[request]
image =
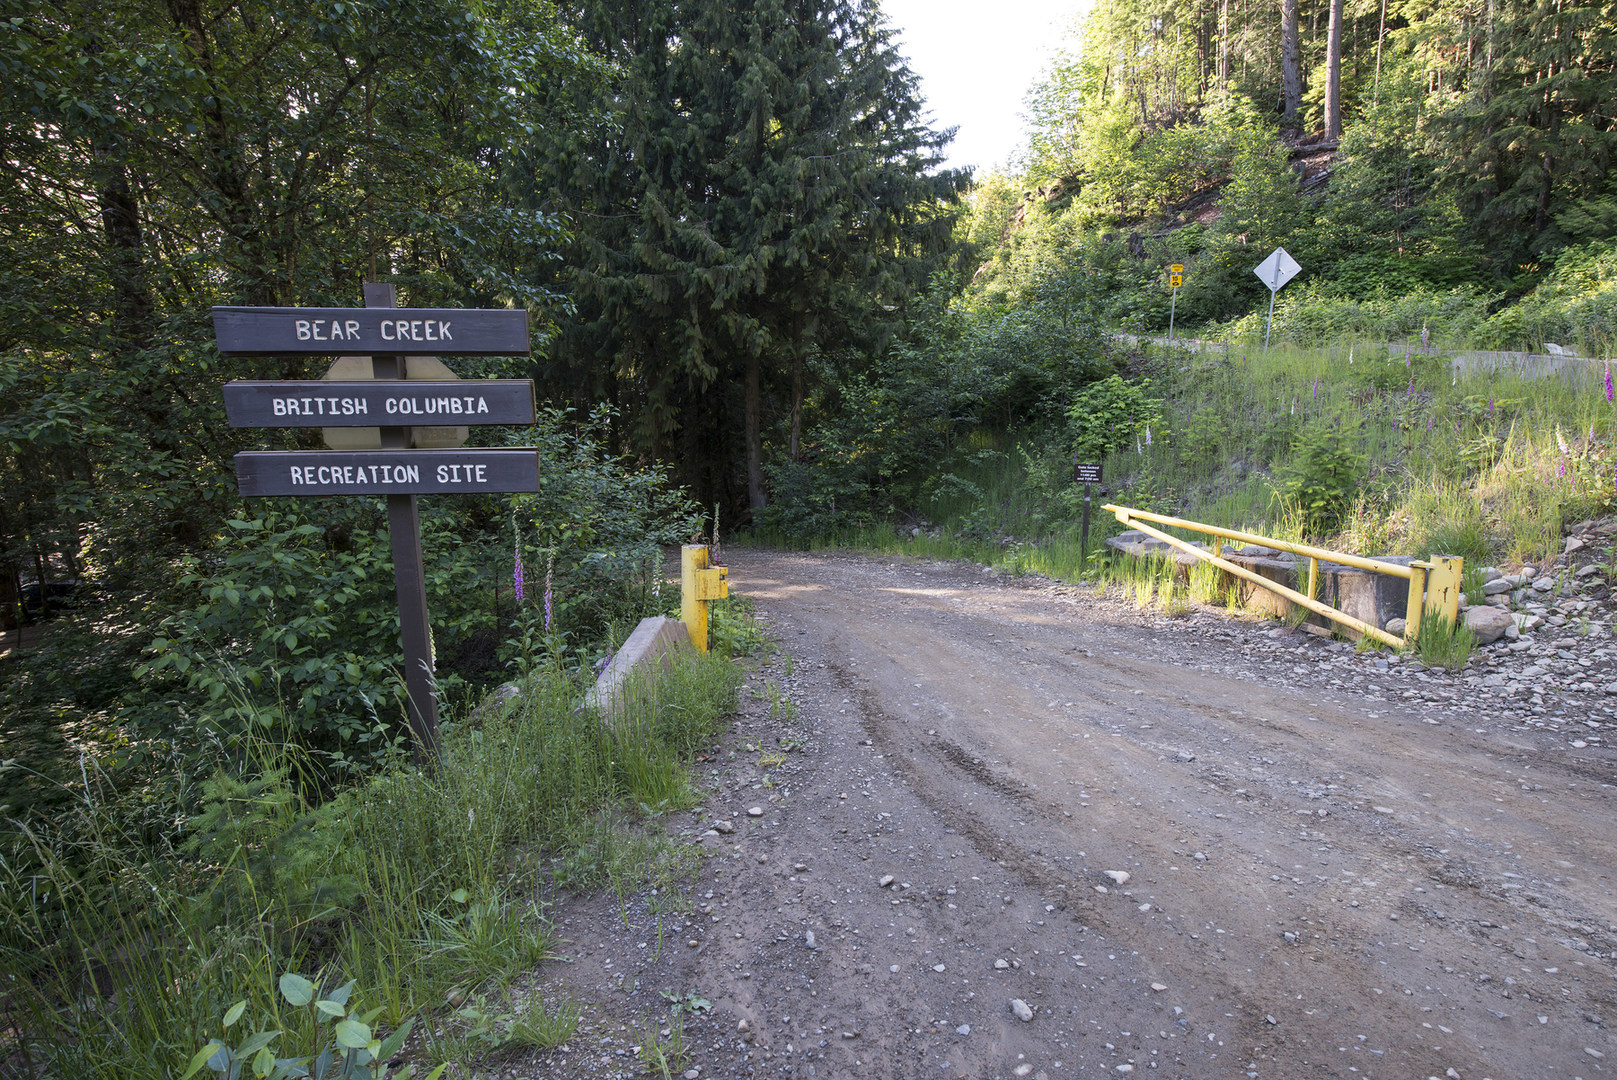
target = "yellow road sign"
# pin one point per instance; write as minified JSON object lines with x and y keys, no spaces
{"x":1176,"y":280}
{"x":1177,"y":268}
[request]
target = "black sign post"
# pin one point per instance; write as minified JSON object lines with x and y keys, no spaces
{"x":1085,"y":473}
{"x":388,"y":334}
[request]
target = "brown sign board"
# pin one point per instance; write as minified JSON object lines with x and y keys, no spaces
{"x":1086,"y":472}
{"x":434,"y":403}
{"x":272,"y":331}
{"x":386,"y":472}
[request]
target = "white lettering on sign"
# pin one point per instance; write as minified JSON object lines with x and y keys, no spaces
{"x":463,"y":474}
{"x":327,"y":329}
{"x":333,"y":475}
{"x":443,"y":406}
{"x":317,"y":406}
{"x":416,"y":330}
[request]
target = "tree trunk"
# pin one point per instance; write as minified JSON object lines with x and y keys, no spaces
{"x":1224,"y":44}
{"x":796,"y":447}
{"x":755,"y":449}
{"x":1333,"y":73}
{"x":1291,"y":64}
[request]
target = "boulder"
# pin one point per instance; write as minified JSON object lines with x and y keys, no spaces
{"x":1488,"y":623}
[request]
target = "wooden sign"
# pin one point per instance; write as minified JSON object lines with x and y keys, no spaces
{"x":1086,"y":472}
{"x":375,"y":404}
{"x":270,"y":331}
{"x":386,"y":472}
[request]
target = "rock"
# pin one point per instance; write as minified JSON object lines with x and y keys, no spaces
{"x":963,"y":1029}
{"x":1490,"y":574}
{"x":1488,"y":623}
{"x":1021,"y":1009}
{"x":725,"y":826}
{"x":808,"y":939}
{"x":886,"y":880}
{"x":1496,"y":586}
{"x":1588,"y":571}
{"x":755,"y":811}
{"x":940,"y":968}
{"x":1124,"y":1068}
{"x":1120,"y":877}
{"x":1004,"y":965}
{"x":1573,"y":543}
{"x":1382,"y":809}
{"x":1543,"y":584}
{"x":1159,"y":987}
{"x":1396,"y":627}
{"x":1525,"y":622}
{"x":893,"y":968}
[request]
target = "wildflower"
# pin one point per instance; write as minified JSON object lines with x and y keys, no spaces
{"x":1560,"y":441}
{"x":550,"y":565}
{"x":1137,"y":448}
{"x":1411,"y":391}
{"x":1428,"y":423}
{"x":1316,"y":387}
{"x":1490,"y":401}
{"x":516,"y":573}
{"x":1148,"y":434}
{"x":1609,"y":388}
{"x":1350,"y":354}
{"x":1560,"y":470}
{"x":715,"y":556}
{"x":1406,"y":354}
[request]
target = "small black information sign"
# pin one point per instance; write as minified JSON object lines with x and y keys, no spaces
{"x":386,"y":472}
{"x":468,"y":402}
{"x":1086,"y":472}
{"x":271,"y":331}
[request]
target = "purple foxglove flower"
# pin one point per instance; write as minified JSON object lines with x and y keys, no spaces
{"x":1406,"y":354}
{"x":1609,"y":387}
{"x":1316,"y":387}
{"x":516,"y":572}
{"x":1490,"y":401}
{"x":1560,"y":470}
{"x":1411,"y":391}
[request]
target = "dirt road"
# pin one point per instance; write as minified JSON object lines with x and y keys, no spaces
{"x":1185,"y":850}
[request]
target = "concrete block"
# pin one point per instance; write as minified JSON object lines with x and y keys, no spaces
{"x":647,"y":653}
{"x":1367,"y":596}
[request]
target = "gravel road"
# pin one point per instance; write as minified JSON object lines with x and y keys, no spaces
{"x":1196,"y":847}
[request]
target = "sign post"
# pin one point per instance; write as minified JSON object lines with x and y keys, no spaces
{"x":393,"y":404}
{"x":1274,"y":272}
{"x":1176,"y":278}
{"x":1087,"y":474}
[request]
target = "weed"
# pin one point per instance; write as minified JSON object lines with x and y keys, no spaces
{"x":1445,"y":643}
{"x":662,"y":1051}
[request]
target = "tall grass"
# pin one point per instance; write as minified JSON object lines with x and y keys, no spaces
{"x":118,"y":953}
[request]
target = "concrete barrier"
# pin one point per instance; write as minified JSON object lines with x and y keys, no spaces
{"x":648,"y":652}
{"x":1365,"y":595}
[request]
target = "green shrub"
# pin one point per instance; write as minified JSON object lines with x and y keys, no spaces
{"x":1322,"y":478}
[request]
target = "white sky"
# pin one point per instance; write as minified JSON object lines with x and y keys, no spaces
{"x":976,"y":62}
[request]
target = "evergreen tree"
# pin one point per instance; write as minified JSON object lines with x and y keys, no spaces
{"x":767,"y":180}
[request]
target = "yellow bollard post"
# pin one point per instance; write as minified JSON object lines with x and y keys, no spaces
{"x":698,"y":584}
{"x":1443,"y":586}
{"x":1417,"y":601}
{"x":1313,"y":578}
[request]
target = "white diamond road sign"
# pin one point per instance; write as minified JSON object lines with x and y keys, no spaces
{"x":1277,"y":269}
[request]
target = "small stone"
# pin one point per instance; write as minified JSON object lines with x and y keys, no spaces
{"x":755,"y":811}
{"x":1592,"y":1052}
{"x":1573,"y":543}
{"x":1159,"y":987}
{"x":1579,"y":744}
{"x":893,"y":969}
{"x":800,"y":867}
{"x":1125,"y":1068}
{"x":724,"y":826}
{"x":1184,"y":755}
{"x":1543,"y":584}
{"x":886,"y":880}
{"x":1120,"y":877}
{"x":692,"y":1074}
{"x":1497,"y":586}
{"x":1200,"y":856}
{"x":1021,"y":1009}
{"x":763,"y":858}
{"x":808,"y":939}
{"x":1001,"y":965}
{"x":692,"y":942}
{"x":743,"y":1027}
{"x":1382,"y":809}
{"x":1022,"y":1069}
{"x":939,"y":968}
{"x":850,"y":1034}
{"x":963,"y":1029}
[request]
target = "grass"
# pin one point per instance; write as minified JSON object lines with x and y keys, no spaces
{"x":120,"y":950}
{"x":1491,"y":467}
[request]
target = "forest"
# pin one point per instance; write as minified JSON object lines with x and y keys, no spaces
{"x":760,"y":303}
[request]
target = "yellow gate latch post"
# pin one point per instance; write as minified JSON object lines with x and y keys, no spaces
{"x":699,"y":583}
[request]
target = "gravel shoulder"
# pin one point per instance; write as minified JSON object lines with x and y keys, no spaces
{"x":1196,"y":846}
